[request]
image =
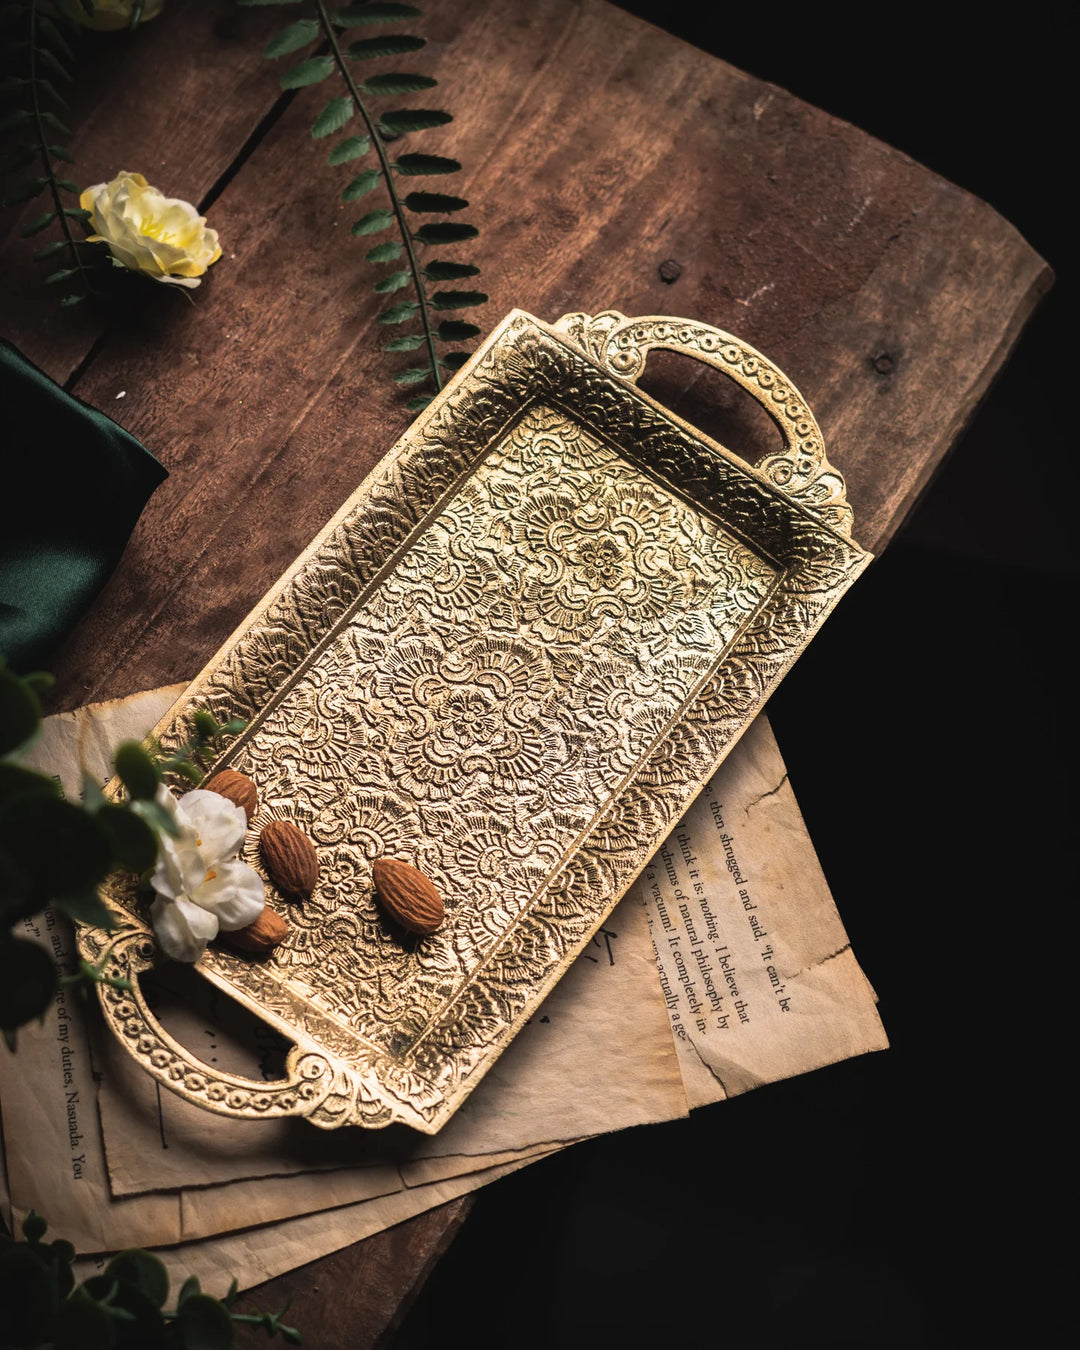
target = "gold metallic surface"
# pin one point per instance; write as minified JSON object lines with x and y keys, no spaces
{"x":511,"y":660}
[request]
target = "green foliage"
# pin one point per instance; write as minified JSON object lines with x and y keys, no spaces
{"x":37,"y":39}
{"x":335,"y":51}
{"x":121,"y":1309}
{"x":55,"y":851}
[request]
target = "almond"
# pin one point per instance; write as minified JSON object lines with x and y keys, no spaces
{"x":261,"y":936}
{"x":238,"y":788}
{"x":407,"y":896}
{"x":290,"y":857}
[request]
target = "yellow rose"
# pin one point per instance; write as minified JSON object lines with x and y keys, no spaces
{"x":111,"y":15}
{"x":160,"y":236}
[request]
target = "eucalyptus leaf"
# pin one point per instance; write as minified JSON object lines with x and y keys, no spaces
{"x":353,"y":16}
{"x":156,"y":817}
{"x":138,"y":772}
{"x":26,"y":191}
{"x":404,"y":120}
{"x":361,"y":185}
{"x":397,"y":83}
{"x":144,"y":1270}
{"x":384,"y":252}
{"x":36,"y":225}
{"x":84,"y":1324}
{"x":134,"y":843}
{"x":20,"y":711}
{"x":416,"y":166}
{"x":419,"y":404}
{"x":450,"y":271}
{"x":393,"y":44}
{"x":60,"y":152}
{"x":457,"y":299}
{"x":77,"y":213}
{"x":396,"y":281}
{"x":34,"y":1227}
{"x":291,"y":39}
{"x":202,"y":1323}
{"x":312,"y":71}
{"x":352,"y":147}
{"x":16,"y":782}
{"x":446,"y":232}
{"x":399,"y":313}
{"x":333,"y":117}
{"x":434,"y":202}
{"x":373,"y":222}
{"x":86,"y":908}
{"x":56,"y":843}
{"x":27,"y":981}
{"x":189,"y":1288}
{"x":68,"y":184}
{"x":454,"y":360}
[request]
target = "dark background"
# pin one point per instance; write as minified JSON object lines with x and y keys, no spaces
{"x":904,"y":1199}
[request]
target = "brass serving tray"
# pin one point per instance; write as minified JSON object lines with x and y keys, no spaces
{"x":511,"y":659}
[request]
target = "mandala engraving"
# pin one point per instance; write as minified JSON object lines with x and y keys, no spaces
{"x":509,"y":662}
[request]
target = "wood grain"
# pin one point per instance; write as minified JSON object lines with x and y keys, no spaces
{"x":596,"y":149}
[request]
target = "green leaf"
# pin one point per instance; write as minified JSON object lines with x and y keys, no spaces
{"x":55,"y":38}
{"x":399,"y":313}
{"x":206,"y":727}
{"x":137,"y":1322}
{"x":414,"y":375}
{"x":29,"y":1293}
{"x":188,"y":1289}
{"x":60,"y":152}
{"x":446,"y":232}
{"x":84,"y":1324}
{"x":19,"y":117}
{"x":156,"y":817}
{"x":397,"y":83}
{"x":404,"y":120}
{"x":70,"y":300}
{"x":47,"y":250}
{"x":373,"y":222}
{"x":291,"y":39}
{"x":455,"y":360}
{"x":361,"y":185}
{"x":253,"y":3}
{"x":457,"y":299}
{"x":134,"y":843}
{"x":142,"y":1269}
{"x":202,"y":1323}
{"x":384,"y":252}
{"x":20,"y":711}
{"x":17,"y":781}
{"x":47,"y":87}
{"x":77,"y":213}
{"x":87,"y":908}
{"x":51,"y":120}
{"x":18,"y":159}
{"x":352,"y":147}
{"x":404,"y":344}
{"x":450,"y":271}
{"x":417,"y":166}
{"x":68,"y":184}
{"x":65,"y":1251}
{"x":393,"y":44}
{"x":394,"y":282}
{"x":49,"y":62}
{"x":419,"y":404}
{"x":138,"y":772}
{"x":333,"y":117}
{"x":353,"y":16}
{"x":26,"y":191}
{"x":34,"y":1227}
{"x":93,"y":799}
{"x":311,"y":71}
{"x":27,"y":981}
{"x":434,"y":201}
{"x":36,"y":225}
{"x":455,"y":330}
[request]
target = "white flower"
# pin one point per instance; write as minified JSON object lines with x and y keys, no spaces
{"x":201,"y":884}
{"x":163,"y":237}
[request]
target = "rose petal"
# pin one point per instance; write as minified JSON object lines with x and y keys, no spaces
{"x":235,"y":894}
{"x":219,"y":823}
{"x":182,"y":929}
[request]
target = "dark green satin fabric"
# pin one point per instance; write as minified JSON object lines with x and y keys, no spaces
{"x":73,"y":484}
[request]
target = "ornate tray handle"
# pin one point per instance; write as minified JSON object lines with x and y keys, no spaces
{"x":801,"y":470}
{"x":307,"y":1090}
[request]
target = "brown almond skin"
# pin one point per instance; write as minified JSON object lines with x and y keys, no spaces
{"x":290,"y":857}
{"x":238,"y":788}
{"x":407,"y":896}
{"x":261,"y":936}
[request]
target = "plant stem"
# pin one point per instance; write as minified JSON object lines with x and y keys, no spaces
{"x":43,"y":146}
{"x":388,"y":177}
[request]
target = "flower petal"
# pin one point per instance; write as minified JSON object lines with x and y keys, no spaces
{"x":180,"y":865}
{"x":219,"y":824}
{"x":235,"y":894}
{"x":182,"y":929}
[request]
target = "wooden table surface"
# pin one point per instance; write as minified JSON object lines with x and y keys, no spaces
{"x":595,"y":148}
